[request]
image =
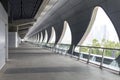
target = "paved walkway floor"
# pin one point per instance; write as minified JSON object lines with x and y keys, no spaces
{"x":46,"y":65}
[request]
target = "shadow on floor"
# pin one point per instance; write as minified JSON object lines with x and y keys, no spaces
{"x":43,"y":70}
{"x":32,"y":55}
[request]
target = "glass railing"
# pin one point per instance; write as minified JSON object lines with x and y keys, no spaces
{"x":103,"y":57}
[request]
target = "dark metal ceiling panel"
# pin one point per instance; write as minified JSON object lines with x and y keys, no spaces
{"x":23,"y":9}
{"x":5,"y":4}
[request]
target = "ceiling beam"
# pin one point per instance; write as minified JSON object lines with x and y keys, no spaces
{"x":22,"y":35}
{"x":12,"y":29}
{"x":23,"y":31}
{"x":22,"y":22}
{"x":45,"y":2}
{"x":25,"y":26}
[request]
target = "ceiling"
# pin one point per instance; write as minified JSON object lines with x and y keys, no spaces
{"x":78,"y":15}
{"x":4,"y":3}
{"x":23,"y":9}
{"x":77,"y":12}
{"x":21,"y":13}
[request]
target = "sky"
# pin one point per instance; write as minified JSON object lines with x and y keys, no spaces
{"x":67,"y":36}
{"x":102,"y":28}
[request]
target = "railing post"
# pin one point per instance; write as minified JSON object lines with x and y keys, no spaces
{"x":101,"y":64}
{"x":119,"y":70}
{"x":89,"y":56}
{"x":61,"y":51}
{"x":55,"y":50}
{"x":72,"y":50}
{"x":52,"y":49}
{"x":79,"y":53}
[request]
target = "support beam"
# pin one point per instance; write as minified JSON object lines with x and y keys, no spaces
{"x":45,"y":2}
{"x":23,"y":31}
{"x":25,"y":26}
{"x":22,"y":22}
{"x":22,"y":36}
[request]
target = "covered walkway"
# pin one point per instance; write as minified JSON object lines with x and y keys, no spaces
{"x":44,"y":40}
{"x":42,"y":64}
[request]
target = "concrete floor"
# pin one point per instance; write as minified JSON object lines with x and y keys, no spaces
{"x":50,"y":66}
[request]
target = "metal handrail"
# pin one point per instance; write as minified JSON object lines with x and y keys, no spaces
{"x":93,"y":47}
{"x":54,"y":48}
{"x":90,"y":47}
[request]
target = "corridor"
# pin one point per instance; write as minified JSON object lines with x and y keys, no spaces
{"x":59,"y":39}
{"x":42,"y":64}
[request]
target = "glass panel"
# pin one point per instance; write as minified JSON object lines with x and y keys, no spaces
{"x":66,"y":38}
{"x":111,"y":58}
{"x":46,"y":37}
{"x":96,"y":56}
{"x":84,"y":53}
{"x":52,"y":38}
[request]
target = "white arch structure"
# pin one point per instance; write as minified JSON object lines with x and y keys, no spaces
{"x":46,"y":37}
{"x":99,"y":27}
{"x":41,"y":37}
{"x":66,"y":37}
{"x":53,"y":36}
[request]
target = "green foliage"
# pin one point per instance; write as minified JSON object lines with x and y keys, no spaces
{"x":84,"y":49}
{"x":111,"y":44}
{"x":95,"y":43}
{"x":105,"y":44}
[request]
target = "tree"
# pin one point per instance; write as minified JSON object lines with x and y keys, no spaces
{"x":111,"y":44}
{"x":95,"y":43}
{"x":84,"y":49}
{"x":106,"y":44}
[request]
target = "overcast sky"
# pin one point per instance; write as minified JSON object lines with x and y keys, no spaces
{"x":102,"y":28}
